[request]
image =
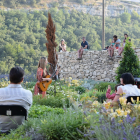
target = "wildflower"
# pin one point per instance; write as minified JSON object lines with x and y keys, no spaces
{"x":137,"y":99}
{"x":70,"y":78}
{"x":107,"y":105}
{"x":120,"y":121}
{"x":122,"y":100}
{"x":132,"y":100}
{"x":119,"y":112}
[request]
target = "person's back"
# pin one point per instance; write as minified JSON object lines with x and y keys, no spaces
{"x":14,"y":94}
{"x":130,"y":90}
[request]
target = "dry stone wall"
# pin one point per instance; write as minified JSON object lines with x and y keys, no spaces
{"x":94,"y":65}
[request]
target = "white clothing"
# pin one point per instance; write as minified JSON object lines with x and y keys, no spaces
{"x":14,"y":94}
{"x":63,"y":46}
{"x":130,"y":90}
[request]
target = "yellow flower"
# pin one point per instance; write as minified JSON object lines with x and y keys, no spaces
{"x":95,"y":103}
{"x":122,"y":100}
{"x":113,"y":115}
{"x":112,"y":110}
{"x":119,"y":112}
{"x":120,"y":121}
{"x":125,"y":113}
{"x":107,"y":105}
{"x":70,"y":78}
{"x":137,"y":99}
{"x":132,"y":100}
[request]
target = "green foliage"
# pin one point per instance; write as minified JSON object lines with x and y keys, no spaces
{"x":52,"y":101}
{"x":129,"y":63}
{"x":80,"y":89}
{"x":63,"y":126}
{"x":22,"y":34}
{"x":37,"y":111}
{"x":52,"y":127}
{"x":125,"y":18}
{"x":104,"y":85}
{"x":101,"y":96}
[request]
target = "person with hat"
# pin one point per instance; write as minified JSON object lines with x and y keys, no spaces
{"x":62,"y":46}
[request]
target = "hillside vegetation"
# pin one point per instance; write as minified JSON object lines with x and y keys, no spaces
{"x":37,"y":3}
{"x":22,"y":34}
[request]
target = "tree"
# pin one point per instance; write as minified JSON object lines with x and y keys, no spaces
{"x":51,"y":44}
{"x":125,"y":18}
{"x":129,"y":63}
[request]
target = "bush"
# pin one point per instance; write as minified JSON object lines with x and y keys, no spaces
{"x":40,"y":110}
{"x":104,"y":85}
{"x":52,"y":101}
{"x":63,"y":126}
{"x":51,"y":127}
{"x":101,"y":96}
{"x":80,"y":90}
{"x":129,"y":63}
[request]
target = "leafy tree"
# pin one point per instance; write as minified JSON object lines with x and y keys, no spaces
{"x":129,"y":63}
{"x":125,"y":18}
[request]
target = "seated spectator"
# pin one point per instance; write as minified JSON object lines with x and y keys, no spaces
{"x":14,"y":94}
{"x":111,"y":97}
{"x":62,"y":46}
{"x":115,"y":44}
{"x":106,"y":48}
{"x":120,"y":50}
{"x":111,"y":49}
{"x":84,"y":46}
{"x":128,"y":88}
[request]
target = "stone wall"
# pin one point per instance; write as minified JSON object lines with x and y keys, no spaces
{"x":94,"y":65}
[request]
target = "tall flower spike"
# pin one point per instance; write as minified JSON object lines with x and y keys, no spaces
{"x":51,"y":44}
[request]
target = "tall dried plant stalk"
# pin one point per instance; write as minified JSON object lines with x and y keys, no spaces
{"x":51,"y":44}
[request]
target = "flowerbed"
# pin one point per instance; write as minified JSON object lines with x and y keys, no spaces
{"x":77,"y":113}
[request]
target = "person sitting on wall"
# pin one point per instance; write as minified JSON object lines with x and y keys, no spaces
{"x":14,"y":94}
{"x":111,"y":49}
{"x":120,"y":50}
{"x":84,"y":46}
{"x":115,"y":44}
{"x":62,"y":46}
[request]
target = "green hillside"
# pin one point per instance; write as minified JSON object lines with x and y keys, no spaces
{"x":22,"y":34}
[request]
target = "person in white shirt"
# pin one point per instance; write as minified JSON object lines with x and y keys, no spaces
{"x":62,"y":46}
{"x":128,"y":87}
{"x":14,"y":94}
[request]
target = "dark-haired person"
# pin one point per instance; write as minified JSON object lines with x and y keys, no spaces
{"x":128,"y":87}
{"x":14,"y":94}
{"x":84,"y":46}
{"x":115,"y":44}
{"x":120,"y":49}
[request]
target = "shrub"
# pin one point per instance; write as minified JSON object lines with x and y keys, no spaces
{"x":52,"y":101}
{"x":101,"y":96}
{"x":39,"y":110}
{"x":80,"y":90}
{"x":63,"y":126}
{"x":129,"y":63}
{"x":51,"y":127}
{"x":104,"y":85}
{"x":113,"y":130}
